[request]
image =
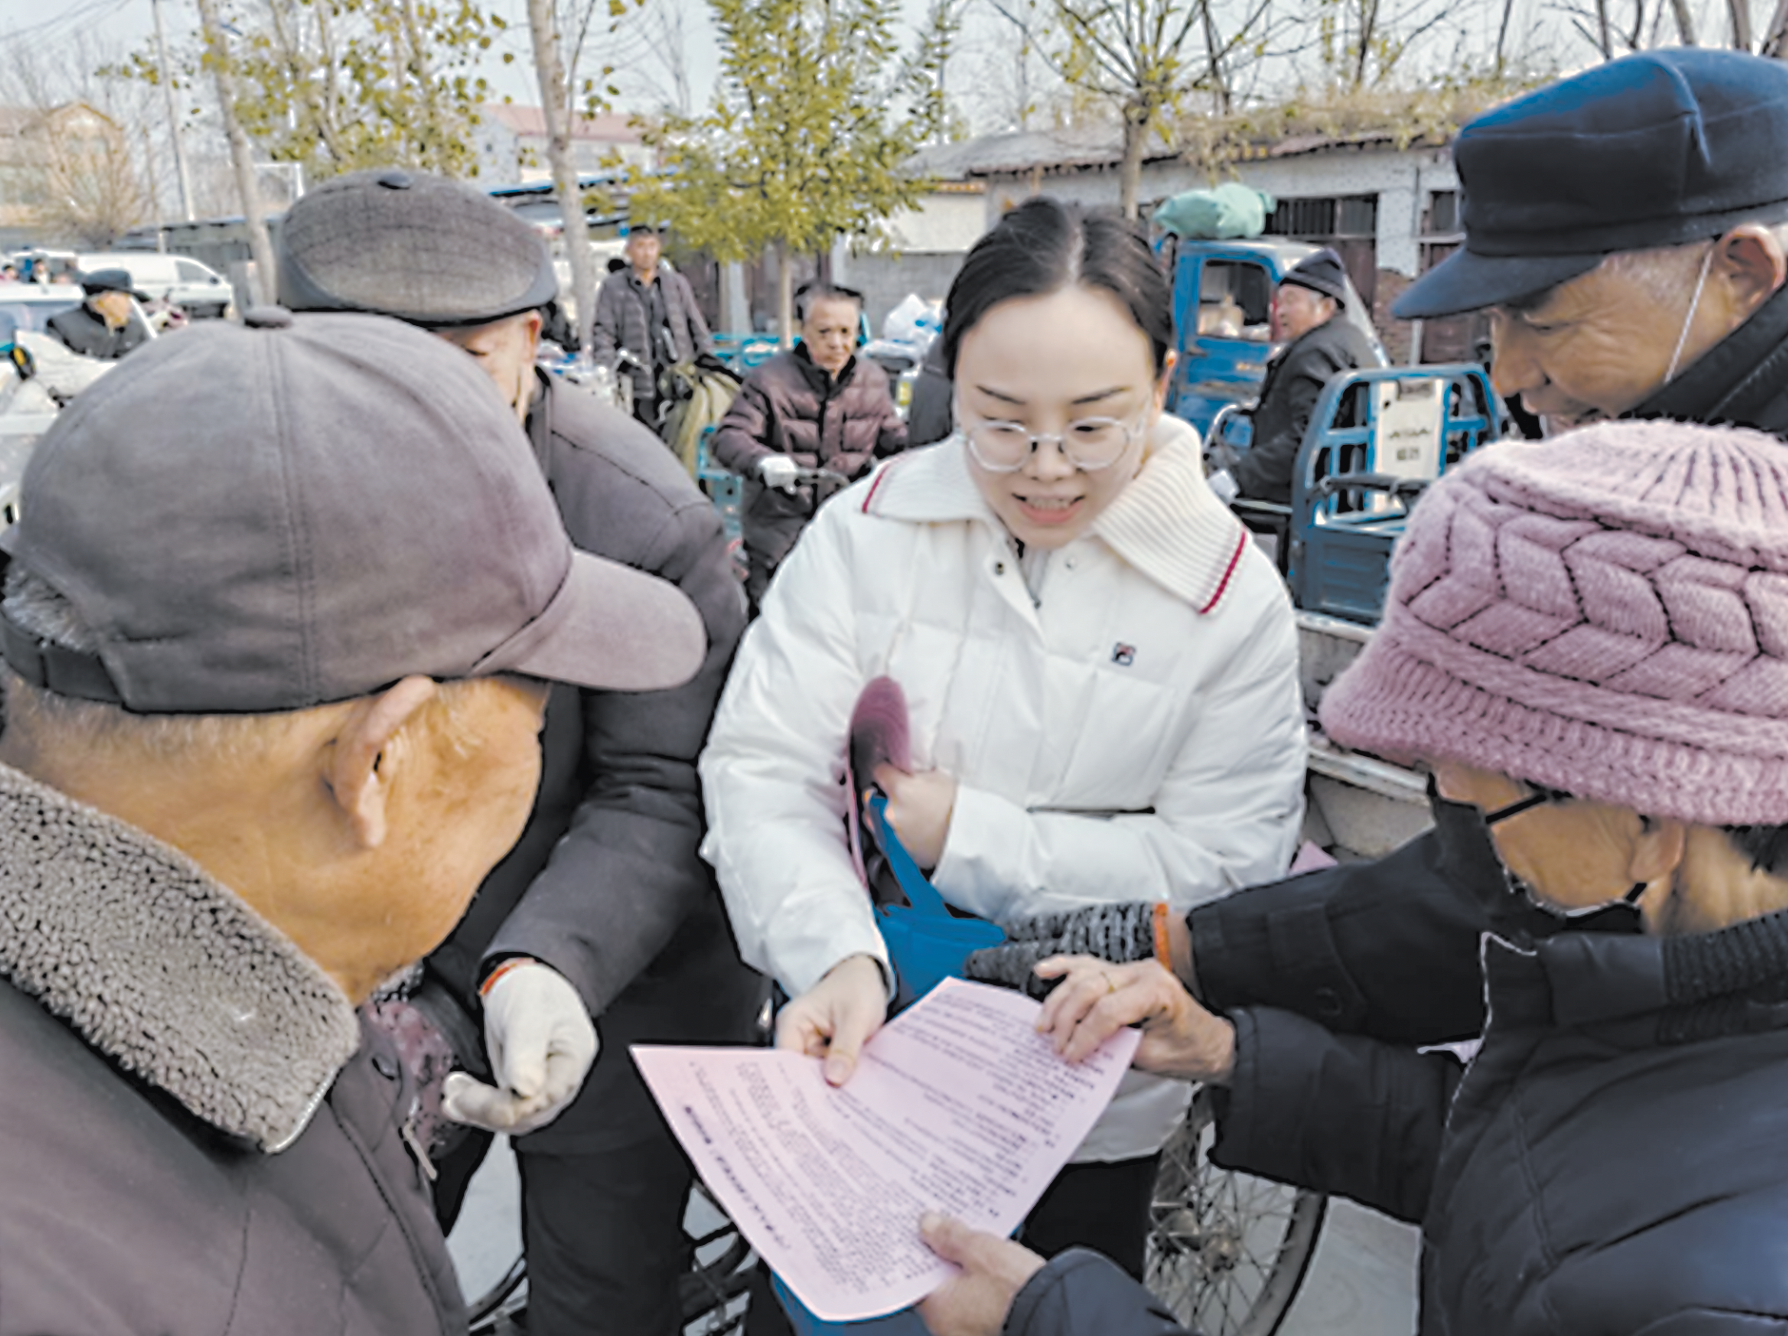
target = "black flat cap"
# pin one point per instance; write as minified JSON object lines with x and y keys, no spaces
{"x":1322,"y":272}
{"x":424,"y":249}
{"x":110,"y":280}
{"x":1655,"y":149}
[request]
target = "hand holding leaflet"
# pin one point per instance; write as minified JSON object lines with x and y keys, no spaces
{"x":958,"y":1105}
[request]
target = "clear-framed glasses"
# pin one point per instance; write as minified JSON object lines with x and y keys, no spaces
{"x":1088,"y":444}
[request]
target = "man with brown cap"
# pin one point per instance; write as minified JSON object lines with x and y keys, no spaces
{"x":604,"y":910}
{"x":277,"y":635}
{"x":1310,"y":313}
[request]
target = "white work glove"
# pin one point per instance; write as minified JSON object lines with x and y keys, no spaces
{"x":1224,"y":485}
{"x":541,"y":1043}
{"x":778,"y":471}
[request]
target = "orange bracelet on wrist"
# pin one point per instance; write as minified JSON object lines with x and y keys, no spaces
{"x":490,"y":980}
{"x":1163,"y":950}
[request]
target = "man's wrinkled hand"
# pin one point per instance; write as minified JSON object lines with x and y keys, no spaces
{"x":541,"y":1044}
{"x":993,"y":1270}
{"x":1095,"y":999}
{"x":835,"y":1018}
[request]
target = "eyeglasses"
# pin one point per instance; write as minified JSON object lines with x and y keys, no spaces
{"x":1089,"y":444}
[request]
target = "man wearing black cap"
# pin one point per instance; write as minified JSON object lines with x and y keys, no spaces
{"x":105,"y":325}
{"x":277,"y":632}
{"x":650,"y":313}
{"x":1625,"y":230}
{"x":1310,"y":312}
{"x":605,"y":909}
{"x":1626,"y":227}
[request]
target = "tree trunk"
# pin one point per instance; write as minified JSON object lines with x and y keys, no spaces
{"x":1602,"y":31}
{"x":1136,"y":138}
{"x":1773,"y":41}
{"x":181,"y":172}
{"x":553,"y":104}
{"x":254,"y":217}
{"x":785,"y":297}
{"x":1685,"y":22}
{"x":1741,"y":23}
{"x":1502,"y":33}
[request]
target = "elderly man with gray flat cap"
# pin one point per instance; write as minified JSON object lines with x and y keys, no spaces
{"x":604,"y":910}
{"x":278,"y":631}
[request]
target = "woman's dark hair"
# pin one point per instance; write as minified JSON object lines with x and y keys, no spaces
{"x":1043,"y":246}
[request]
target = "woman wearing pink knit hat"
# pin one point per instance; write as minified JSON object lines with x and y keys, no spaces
{"x":1587,"y":642}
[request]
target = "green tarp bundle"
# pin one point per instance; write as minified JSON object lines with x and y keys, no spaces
{"x":1225,"y":213}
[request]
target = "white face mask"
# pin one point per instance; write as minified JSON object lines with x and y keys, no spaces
{"x":1682,"y":339}
{"x":1520,"y":887}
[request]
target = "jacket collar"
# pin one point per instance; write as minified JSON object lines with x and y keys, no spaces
{"x":1739,"y":380}
{"x":1696,"y":984}
{"x":163,"y":970}
{"x":818,"y":379}
{"x":1168,"y":523}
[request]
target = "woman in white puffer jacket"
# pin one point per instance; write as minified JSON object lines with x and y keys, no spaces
{"x":1100,"y":666}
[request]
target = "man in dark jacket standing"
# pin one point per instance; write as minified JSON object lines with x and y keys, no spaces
{"x":1311,"y":312}
{"x":604,"y":910}
{"x":105,"y":325}
{"x":817,"y":407}
{"x":648,"y":312}
{"x":258,"y":754}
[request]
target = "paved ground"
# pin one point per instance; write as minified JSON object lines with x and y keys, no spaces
{"x":1362,"y":1281}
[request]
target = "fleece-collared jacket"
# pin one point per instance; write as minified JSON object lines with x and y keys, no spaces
{"x":197,"y":1135}
{"x":789,"y":406}
{"x":1121,"y":715}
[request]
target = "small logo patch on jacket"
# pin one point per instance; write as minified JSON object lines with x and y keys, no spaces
{"x":1123,"y":655}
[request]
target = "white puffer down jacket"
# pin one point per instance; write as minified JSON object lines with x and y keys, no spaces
{"x":1122,"y":716}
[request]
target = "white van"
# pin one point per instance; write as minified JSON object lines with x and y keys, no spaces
{"x":195,"y":288}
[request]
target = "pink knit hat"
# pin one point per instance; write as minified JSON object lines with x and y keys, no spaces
{"x":1604,"y":613}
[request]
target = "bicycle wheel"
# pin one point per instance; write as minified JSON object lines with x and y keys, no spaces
{"x":1226,"y":1251}
{"x":490,"y":1313}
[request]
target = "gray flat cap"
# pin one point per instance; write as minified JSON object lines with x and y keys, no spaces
{"x":424,"y":249}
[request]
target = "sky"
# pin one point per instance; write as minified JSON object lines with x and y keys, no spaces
{"x":129,"y":24}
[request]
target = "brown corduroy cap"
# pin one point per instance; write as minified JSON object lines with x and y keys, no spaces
{"x":304,"y":509}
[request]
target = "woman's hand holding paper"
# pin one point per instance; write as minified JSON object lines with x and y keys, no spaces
{"x":834,"y":1018}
